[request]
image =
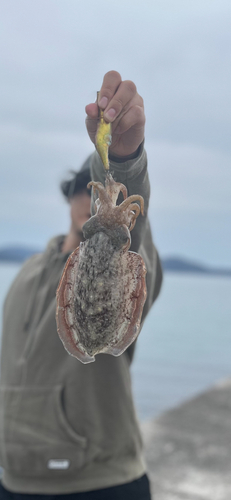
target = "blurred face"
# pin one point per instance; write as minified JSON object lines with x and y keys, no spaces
{"x":80,"y":211}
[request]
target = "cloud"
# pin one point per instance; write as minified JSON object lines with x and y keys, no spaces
{"x":178,"y":55}
{"x":191,"y":178}
{"x":53,"y":57}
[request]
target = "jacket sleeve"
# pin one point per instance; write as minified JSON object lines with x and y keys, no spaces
{"x":133,"y":173}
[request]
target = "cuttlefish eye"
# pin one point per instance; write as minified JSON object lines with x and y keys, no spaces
{"x":120,"y":236}
{"x":91,"y":227}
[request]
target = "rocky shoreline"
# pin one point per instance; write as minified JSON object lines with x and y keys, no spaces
{"x":188,"y":448}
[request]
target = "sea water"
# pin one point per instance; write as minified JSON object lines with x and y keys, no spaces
{"x":185,"y":344}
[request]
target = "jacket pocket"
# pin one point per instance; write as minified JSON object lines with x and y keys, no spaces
{"x":35,"y":437}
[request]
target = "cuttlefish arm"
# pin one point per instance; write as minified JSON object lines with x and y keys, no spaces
{"x":103,"y":138}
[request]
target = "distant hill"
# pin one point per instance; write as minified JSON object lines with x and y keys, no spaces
{"x":18,"y":254}
{"x":182,"y":265}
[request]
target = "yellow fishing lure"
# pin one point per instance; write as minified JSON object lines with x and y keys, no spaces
{"x":103,"y":138}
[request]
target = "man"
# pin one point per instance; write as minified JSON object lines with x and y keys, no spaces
{"x":79,"y":198}
{"x":65,"y":427}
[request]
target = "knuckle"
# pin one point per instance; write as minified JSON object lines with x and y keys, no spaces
{"x":106,"y":91}
{"x":117,"y":103}
{"x":130,"y":86}
{"x":139,"y":114}
{"x":110,"y":82}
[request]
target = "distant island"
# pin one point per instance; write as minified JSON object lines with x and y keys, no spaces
{"x":183,"y":265}
{"x":18,"y":254}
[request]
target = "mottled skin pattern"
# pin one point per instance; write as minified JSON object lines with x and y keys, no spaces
{"x":98,"y":293}
{"x":102,"y":291}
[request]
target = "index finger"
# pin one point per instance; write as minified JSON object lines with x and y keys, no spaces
{"x":110,"y":84}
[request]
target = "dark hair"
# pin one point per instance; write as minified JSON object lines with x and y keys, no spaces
{"x":77,"y":184}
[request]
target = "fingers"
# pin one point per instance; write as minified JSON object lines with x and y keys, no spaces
{"x":120,"y":101}
{"x":115,"y":95}
{"x":111,"y":82}
{"x":92,"y":110}
{"x":134,"y":117}
{"x":123,"y":107}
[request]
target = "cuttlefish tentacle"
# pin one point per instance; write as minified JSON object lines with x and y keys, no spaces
{"x":124,"y":191}
{"x":134,"y":197}
{"x":125,"y":213}
{"x":98,"y":186}
{"x":103,"y":195}
{"x":114,"y":188}
{"x":134,"y":207}
{"x":109,"y":193}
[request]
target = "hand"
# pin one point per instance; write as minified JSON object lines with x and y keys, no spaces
{"x":124,"y":108}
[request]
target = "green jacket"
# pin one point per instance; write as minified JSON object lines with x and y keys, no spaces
{"x":67,"y":427}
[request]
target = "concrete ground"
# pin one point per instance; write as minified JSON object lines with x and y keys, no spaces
{"x":188,"y":449}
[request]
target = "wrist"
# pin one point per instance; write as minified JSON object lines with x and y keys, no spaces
{"x":123,"y":159}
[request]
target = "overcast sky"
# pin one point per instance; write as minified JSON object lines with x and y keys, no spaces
{"x":54,"y":54}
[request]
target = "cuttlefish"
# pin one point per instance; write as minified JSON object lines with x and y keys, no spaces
{"x":102,"y":290}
